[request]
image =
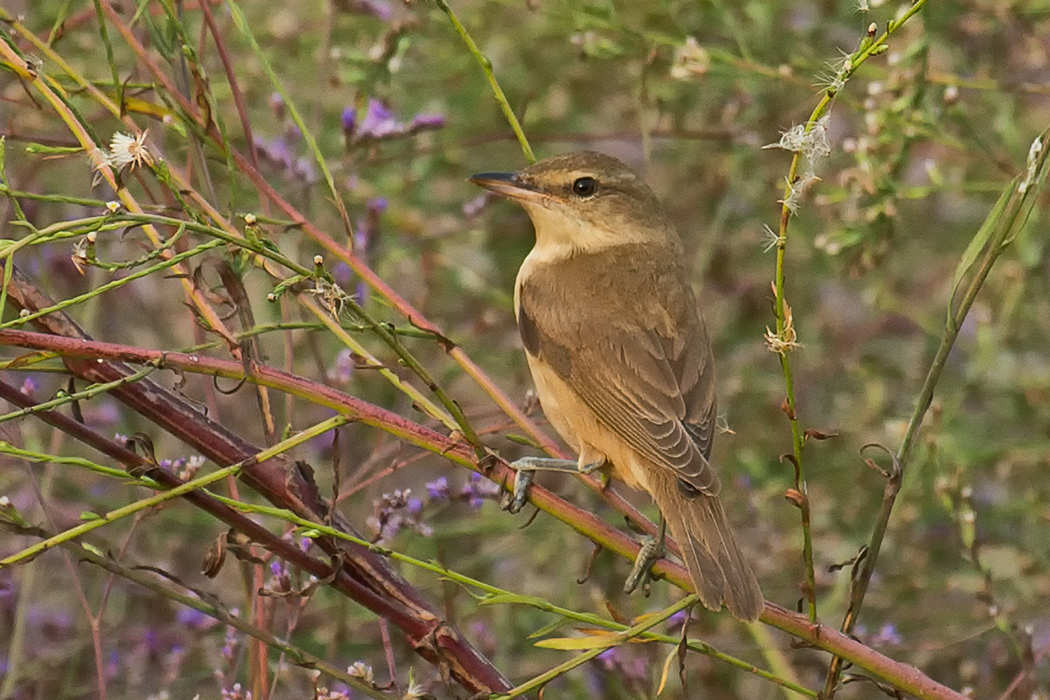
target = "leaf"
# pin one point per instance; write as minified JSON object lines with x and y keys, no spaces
{"x":1008,"y":216}
{"x":550,"y":627}
{"x":513,"y":599}
{"x":93,"y":549}
{"x":520,"y":439}
{"x":666,"y":670}
{"x":600,"y":640}
{"x":980,"y":239}
{"x":594,"y":639}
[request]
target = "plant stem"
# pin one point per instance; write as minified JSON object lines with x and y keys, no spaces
{"x":869,"y":49}
{"x":486,"y":67}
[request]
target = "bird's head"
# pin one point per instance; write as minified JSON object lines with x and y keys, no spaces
{"x":583,"y":202}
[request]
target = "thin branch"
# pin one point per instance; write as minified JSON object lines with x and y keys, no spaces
{"x":486,"y":67}
{"x":870,"y":46}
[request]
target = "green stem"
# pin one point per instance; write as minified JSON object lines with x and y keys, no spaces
{"x":1006,"y":219}
{"x":145,"y":272}
{"x":87,"y":393}
{"x":486,"y":67}
{"x":872,"y":48}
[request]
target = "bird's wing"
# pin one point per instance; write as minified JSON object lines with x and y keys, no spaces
{"x":649,"y":381}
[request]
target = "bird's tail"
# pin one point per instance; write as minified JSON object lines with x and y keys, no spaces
{"x":716,"y":565}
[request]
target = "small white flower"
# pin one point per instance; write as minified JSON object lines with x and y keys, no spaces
{"x":125,"y":149}
{"x":812,"y":143}
{"x":415,"y":690}
{"x":786,"y":340}
{"x":772,"y":239}
{"x":359,"y":669}
{"x":690,"y":60}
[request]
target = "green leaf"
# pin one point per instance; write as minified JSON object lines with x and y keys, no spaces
{"x":514,"y":599}
{"x":1008,"y":216}
{"x":980,"y":240}
{"x":93,"y":549}
{"x":597,"y":641}
{"x":550,"y":627}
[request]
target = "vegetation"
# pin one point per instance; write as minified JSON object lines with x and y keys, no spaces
{"x":262,"y":377}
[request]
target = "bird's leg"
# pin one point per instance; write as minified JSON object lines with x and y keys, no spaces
{"x":652,"y":550}
{"x":525,"y":469}
{"x":596,"y":466}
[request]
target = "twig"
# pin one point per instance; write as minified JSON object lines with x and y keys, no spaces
{"x":486,"y":67}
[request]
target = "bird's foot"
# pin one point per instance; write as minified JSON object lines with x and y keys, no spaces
{"x":525,"y":471}
{"x":642,"y":572}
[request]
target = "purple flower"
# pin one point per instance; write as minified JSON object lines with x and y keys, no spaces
{"x":472,"y":207}
{"x":477,"y":489}
{"x":377,"y":205}
{"x":438,"y":489}
{"x":194,"y":619}
{"x":277,"y":105}
{"x":344,"y":367}
{"x":112,"y":666}
{"x":887,"y":636}
{"x":105,"y":413}
{"x":172,"y":464}
{"x":427,"y":121}
{"x":341,"y":273}
{"x":376,"y":8}
{"x":378,"y":121}
{"x":630,"y":667}
{"x":676,"y":621}
{"x":304,"y":168}
{"x":349,"y":120}
{"x":275,"y":150}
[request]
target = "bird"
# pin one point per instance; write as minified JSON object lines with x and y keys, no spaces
{"x":621,"y":357}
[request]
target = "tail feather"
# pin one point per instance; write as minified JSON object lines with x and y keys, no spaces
{"x":716,"y":565}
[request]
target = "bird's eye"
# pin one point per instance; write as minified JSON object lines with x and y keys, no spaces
{"x":584,"y":186}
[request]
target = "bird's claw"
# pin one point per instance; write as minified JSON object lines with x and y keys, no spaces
{"x":642,"y":571}
{"x":514,"y":500}
{"x":524,"y":472}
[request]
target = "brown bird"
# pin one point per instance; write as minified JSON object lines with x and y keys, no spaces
{"x":621,"y":357}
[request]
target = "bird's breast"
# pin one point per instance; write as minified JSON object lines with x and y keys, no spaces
{"x":580,"y":428}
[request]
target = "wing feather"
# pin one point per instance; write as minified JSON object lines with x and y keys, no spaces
{"x":640,"y":358}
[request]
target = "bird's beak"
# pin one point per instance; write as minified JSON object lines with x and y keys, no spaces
{"x":508,"y":185}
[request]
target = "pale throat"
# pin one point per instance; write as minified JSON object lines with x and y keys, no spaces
{"x":561,"y":234}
